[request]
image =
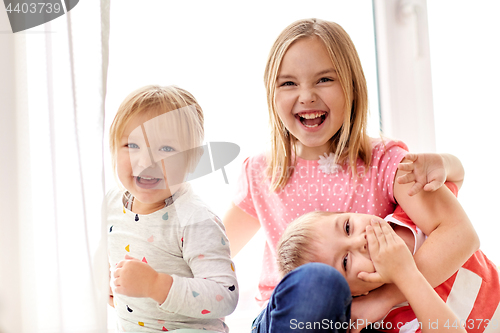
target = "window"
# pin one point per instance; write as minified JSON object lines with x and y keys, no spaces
{"x":464,"y":59}
{"x":451,"y":105}
{"x":218,"y":51}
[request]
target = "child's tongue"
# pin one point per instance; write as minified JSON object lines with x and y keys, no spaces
{"x":147,"y":181}
{"x":311,"y":122}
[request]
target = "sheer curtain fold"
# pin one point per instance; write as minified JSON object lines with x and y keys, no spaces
{"x":58,"y":240}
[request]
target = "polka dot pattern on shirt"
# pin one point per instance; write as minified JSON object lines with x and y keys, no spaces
{"x":369,"y":191}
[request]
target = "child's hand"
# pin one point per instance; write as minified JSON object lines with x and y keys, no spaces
{"x":428,"y":171}
{"x":110,"y":299}
{"x":390,"y":255}
{"x":134,"y":278}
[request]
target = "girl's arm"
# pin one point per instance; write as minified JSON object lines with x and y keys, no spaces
{"x":430,"y":171}
{"x":394,"y":264}
{"x":211,"y":292}
{"x":240,"y":228}
{"x":451,"y":237}
{"x":450,"y":243}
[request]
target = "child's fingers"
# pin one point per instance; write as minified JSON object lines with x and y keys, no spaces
{"x":406,"y":166}
{"x":417,"y":187}
{"x":117,"y":284}
{"x":373,"y":246}
{"x":432,"y":186}
{"x":393,"y":239}
{"x":407,"y":178}
{"x":389,"y":233}
{"x":370,"y":277}
{"x":120,"y":264}
{"x":127,"y":257}
{"x":411,"y":157}
{"x":379,"y":233}
{"x":119,"y":290}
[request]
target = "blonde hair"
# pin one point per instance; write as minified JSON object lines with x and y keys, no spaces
{"x":351,"y":141}
{"x":296,"y":246}
{"x":153,"y":100}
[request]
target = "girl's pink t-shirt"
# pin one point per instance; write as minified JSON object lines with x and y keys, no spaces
{"x":315,"y":185}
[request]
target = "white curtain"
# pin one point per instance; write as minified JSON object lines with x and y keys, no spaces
{"x":53,"y":262}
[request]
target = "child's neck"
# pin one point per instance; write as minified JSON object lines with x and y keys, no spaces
{"x":312,"y":153}
{"x":144,"y":209}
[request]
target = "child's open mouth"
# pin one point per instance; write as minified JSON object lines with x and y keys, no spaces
{"x":311,"y":119}
{"x":147,"y":182}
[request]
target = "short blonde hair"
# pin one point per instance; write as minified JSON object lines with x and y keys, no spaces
{"x":351,"y":141}
{"x":296,"y":246}
{"x":153,"y":100}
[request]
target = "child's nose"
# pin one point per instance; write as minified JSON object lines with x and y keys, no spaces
{"x":362,"y":243}
{"x":307,"y":96}
{"x":146,"y":159}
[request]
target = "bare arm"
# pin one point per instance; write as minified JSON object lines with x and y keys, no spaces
{"x":240,"y":228}
{"x":450,"y":243}
{"x":450,"y":233}
{"x":454,"y":169}
{"x":394,"y":264}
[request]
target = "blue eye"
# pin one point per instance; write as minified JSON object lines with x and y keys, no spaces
{"x":132,"y":146}
{"x":287,"y":83}
{"x":325,"y":79}
{"x":167,"y":149}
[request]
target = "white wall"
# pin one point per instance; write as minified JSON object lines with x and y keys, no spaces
{"x":438,"y":70}
{"x":465,"y":54}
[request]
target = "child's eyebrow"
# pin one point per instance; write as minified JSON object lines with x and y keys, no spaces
{"x":163,"y":139}
{"x":327,"y":71}
{"x":323,"y":72}
{"x":336,"y":253}
{"x":285,"y":76}
{"x":134,"y":136}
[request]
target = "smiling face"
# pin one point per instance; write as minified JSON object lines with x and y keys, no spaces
{"x":309,"y":97}
{"x":342,"y":244}
{"x":149,"y":163}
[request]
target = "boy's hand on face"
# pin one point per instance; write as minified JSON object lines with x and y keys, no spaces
{"x":389,"y":254}
{"x":428,"y":171}
{"x":135,"y":278}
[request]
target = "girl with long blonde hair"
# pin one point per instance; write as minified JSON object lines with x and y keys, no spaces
{"x":322,"y":159}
